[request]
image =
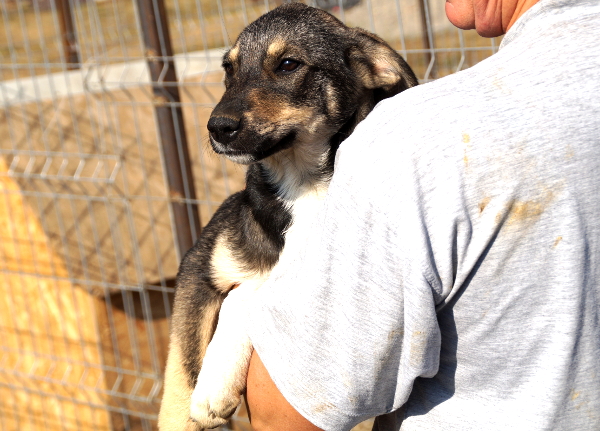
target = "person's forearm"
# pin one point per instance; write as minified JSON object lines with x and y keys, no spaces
{"x":268,"y":409}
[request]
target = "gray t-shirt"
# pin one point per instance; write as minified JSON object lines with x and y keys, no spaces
{"x":454,"y":270}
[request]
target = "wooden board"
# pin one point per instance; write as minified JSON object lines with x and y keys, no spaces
{"x":50,"y":377}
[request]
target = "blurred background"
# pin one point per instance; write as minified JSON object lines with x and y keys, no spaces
{"x":106,"y":178}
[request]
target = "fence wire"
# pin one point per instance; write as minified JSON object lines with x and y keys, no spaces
{"x":99,"y":101}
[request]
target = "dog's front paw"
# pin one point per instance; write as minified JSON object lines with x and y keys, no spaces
{"x":209,"y":410}
{"x":222,"y":378}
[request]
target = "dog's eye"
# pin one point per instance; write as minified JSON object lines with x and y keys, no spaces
{"x":228,"y":68}
{"x":288,"y":65}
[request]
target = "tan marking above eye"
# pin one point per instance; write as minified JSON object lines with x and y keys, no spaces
{"x":332,"y":104}
{"x":276,"y":48}
{"x":233,"y":53}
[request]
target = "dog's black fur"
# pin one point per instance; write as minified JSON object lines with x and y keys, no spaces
{"x":297,"y":82}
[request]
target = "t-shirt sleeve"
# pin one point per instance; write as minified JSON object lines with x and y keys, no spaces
{"x":346,"y":328}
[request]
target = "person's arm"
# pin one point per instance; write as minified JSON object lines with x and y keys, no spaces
{"x":267,"y":408}
{"x":349,"y":322}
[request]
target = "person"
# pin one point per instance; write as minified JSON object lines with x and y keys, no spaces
{"x":452,"y":279}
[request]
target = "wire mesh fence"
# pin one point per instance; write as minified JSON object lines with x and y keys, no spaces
{"x":106,"y":178}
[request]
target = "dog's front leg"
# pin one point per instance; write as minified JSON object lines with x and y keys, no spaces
{"x":222,"y":378}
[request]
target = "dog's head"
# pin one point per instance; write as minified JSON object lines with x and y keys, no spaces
{"x":297,"y":77}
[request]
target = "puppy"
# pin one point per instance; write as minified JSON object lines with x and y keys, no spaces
{"x":298,"y":81}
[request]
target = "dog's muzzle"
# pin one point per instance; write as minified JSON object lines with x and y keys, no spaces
{"x":223,"y":129}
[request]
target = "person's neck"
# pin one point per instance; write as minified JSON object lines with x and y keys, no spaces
{"x":521,"y":6}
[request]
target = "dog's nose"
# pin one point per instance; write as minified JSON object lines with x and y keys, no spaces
{"x":223,"y":129}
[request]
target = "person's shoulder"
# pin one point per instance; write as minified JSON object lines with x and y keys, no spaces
{"x":425,"y":113}
{"x":440,"y":99}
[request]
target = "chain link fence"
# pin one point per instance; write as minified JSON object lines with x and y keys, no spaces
{"x":106,"y":176}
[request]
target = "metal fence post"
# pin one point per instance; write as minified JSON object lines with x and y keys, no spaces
{"x":69,"y":36}
{"x":169,"y":115}
{"x":426,"y":36}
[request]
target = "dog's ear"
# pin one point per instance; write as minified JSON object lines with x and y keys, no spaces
{"x":377,"y":65}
